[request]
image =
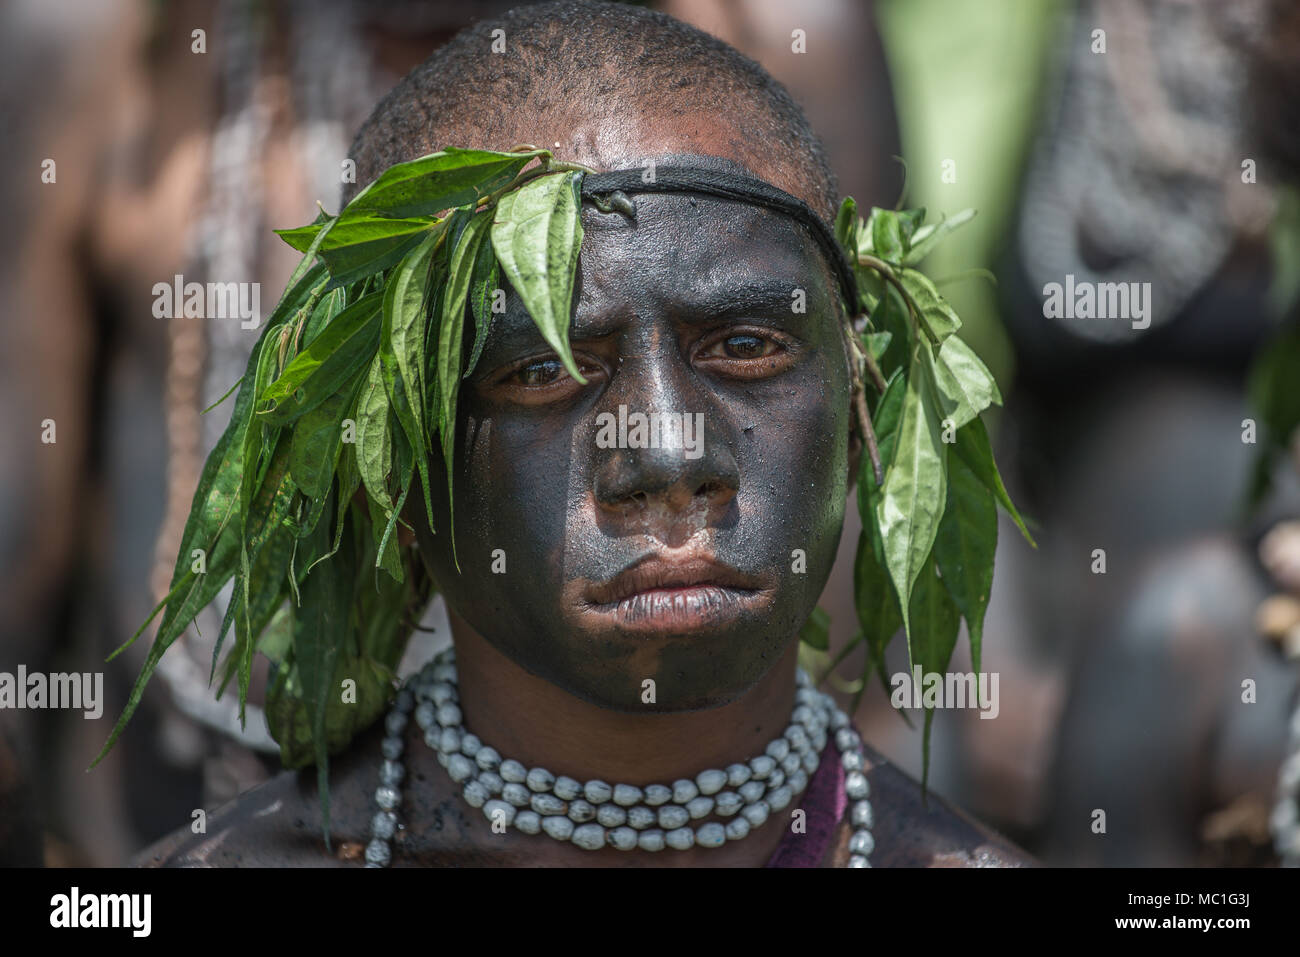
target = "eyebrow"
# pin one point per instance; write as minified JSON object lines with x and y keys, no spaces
{"x":754,"y":295}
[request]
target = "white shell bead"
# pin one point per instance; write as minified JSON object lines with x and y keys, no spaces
{"x":597,"y":792}
{"x":738,"y":774}
{"x":488,"y":759}
{"x":591,"y":837}
{"x":672,"y":816}
{"x":778,"y":749}
{"x":651,"y":840}
{"x":547,"y":804}
{"x":640,"y":817}
{"x":852,"y":760}
{"x":540,"y":779}
{"x":712,"y":834}
{"x":780,"y":798}
{"x":711,"y":782}
{"x":449,"y":741}
{"x":560,"y":828}
{"x":492,"y":781}
{"x":857,"y":860}
{"x":581,"y":811}
{"x":680,"y":839}
{"x":856,"y":786}
{"x":698,"y":807}
{"x":448,"y":715}
{"x":566,"y":788}
{"x":761,"y":766}
{"x":424,"y":714}
{"x":475,"y":793}
{"x":656,"y":794}
{"x":846,"y":739}
{"x":622,"y":838}
{"x":751,"y":791}
{"x":862,"y":816}
{"x":528,"y":822}
{"x":611,"y":815}
{"x":469,"y":745}
{"x":516,"y":794}
{"x":862,"y":843}
{"x":459,"y":767}
{"x":756,"y":813}
{"x":512,"y":771}
{"x":737,"y":829}
{"x":728,"y":803}
{"x":684,"y":790}
{"x":627,"y":795}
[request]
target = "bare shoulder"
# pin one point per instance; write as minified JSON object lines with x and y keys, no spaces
{"x":910,"y":833}
{"x":278,"y":824}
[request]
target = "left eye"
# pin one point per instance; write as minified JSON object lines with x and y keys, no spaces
{"x":747,"y":347}
{"x":542,"y":372}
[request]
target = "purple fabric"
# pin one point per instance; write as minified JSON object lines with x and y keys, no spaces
{"x":825,"y":803}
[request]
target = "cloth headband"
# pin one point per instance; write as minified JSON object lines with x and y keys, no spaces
{"x":598,"y":188}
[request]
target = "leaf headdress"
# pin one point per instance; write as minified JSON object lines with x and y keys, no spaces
{"x":356,"y":374}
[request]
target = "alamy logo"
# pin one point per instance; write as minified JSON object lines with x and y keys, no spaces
{"x":655,"y":430}
{"x":78,"y":690}
{"x":102,"y":910}
{"x":954,"y":689}
{"x":1098,"y":300}
{"x":213,"y":300}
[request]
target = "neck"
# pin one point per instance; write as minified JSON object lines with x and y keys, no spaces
{"x":531,"y":720}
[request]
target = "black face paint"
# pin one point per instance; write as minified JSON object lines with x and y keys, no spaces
{"x":631,"y":563}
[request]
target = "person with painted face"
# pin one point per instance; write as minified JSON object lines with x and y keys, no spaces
{"x":625,"y":615}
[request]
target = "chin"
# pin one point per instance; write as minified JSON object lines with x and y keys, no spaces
{"x":608,"y":664}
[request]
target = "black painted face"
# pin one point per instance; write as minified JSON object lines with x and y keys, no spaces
{"x":694,"y":563}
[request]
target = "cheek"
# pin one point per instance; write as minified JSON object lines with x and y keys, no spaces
{"x":795,"y":464}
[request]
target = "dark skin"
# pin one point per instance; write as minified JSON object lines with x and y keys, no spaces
{"x":686,"y":310}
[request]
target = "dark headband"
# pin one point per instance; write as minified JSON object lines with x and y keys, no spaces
{"x":598,"y":188}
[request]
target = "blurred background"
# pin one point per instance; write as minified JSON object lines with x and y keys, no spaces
{"x":1112,"y":140}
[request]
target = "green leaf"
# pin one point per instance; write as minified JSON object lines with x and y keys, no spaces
{"x":451,"y":333}
{"x":487,"y":279}
{"x":360,"y":246}
{"x":402,"y":343}
{"x":966,"y":387}
{"x":315,"y":444}
{"x":319,"y":641}
{"x":330,"y":305}
{"x":439,"y":181}
{"x":915,"y":487}
{"x":876,"y":603}
{"x":876,"y":343}
{"x":537,"y":235}
{"x":975,"y":450}
{"x":324,"y":366}
{"x":886,"y":235}
{"x":908,"y":222}
{"x":936,"y":314}
{"x":927,"y":237}
{"x":965,"y":546}
{"x":933,"y":638}
{"x":816,"y":630}
{"x":846,"y":228}
{"x":374,"y":437}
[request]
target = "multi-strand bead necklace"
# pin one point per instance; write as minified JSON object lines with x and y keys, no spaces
{"x":595,"y":814}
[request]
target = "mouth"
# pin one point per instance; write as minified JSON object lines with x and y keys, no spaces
{"x":661,"y":593}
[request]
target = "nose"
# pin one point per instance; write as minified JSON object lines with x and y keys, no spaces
{"x":691,"y":469}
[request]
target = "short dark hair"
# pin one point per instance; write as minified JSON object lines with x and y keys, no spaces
{"x":589,"y":57}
